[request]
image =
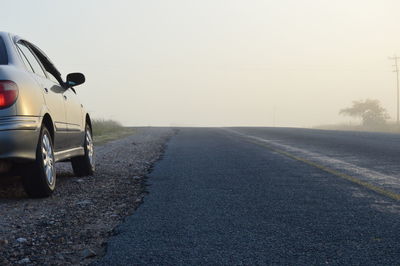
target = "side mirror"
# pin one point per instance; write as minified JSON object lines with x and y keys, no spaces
{"x":75,"y":79}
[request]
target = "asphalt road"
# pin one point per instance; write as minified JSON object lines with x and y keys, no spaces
{"x":262,"y":196}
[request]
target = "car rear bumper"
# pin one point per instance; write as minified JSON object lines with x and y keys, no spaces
{"x":18,"y":137}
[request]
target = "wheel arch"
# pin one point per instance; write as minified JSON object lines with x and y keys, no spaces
{"x":89,"y":122}
{"x":48,"y":122}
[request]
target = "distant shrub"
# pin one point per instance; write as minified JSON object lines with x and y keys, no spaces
{"x":105,"y":126}
{"x":372,"y":114}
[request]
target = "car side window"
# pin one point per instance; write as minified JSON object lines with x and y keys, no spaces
{"x":28,"y":66}
{"x":49,"y":75}
{"x":35,"y":65}
{"x":52,"y":78}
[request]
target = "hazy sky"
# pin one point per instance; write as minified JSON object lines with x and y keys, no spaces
{"x":218,"y":63}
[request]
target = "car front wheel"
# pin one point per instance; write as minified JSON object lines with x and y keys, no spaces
{"x":84,"y":165}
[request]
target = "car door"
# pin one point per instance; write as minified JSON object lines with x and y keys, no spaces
{"x":53,"y":95}
{"x":75,"y":121}
{"x":74,"y":136}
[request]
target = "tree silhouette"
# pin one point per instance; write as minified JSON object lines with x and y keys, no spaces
{"x":370,"y":111}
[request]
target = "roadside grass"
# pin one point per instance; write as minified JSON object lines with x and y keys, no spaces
{"x":390,"y":127}
{"x":108,"y":130}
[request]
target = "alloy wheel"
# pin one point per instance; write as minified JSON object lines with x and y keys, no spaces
{"x":90,"y":146}
{"x":48,"y":160}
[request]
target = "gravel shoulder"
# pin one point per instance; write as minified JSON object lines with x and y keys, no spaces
{"x":72,"y":226}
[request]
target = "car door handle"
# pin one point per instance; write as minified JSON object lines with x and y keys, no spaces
{"x":65,"y":97}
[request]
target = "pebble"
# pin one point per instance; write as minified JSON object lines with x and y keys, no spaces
{"x":88,"y":253}
{"x":24,"y":261}
{"x":84,"y":202}
{"x":138,"y":200}
{"x":21,"y":240}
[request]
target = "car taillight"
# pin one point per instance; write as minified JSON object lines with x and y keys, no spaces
{"x":8,"y":93}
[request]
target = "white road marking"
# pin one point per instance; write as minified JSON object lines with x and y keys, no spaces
{"x":388,"y":182}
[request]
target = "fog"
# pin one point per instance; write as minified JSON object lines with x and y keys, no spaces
{"x":218,"y":63}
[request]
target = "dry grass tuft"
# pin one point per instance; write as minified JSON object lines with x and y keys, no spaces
{"x":107,"y":130}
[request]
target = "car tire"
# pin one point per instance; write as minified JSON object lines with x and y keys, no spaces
{"x":85,"y":165}
{"x":39,"y":177}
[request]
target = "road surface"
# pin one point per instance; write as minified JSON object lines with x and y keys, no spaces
{"x":250,"y":196}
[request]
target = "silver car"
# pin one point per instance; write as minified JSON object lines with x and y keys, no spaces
{"x":41,"y":118}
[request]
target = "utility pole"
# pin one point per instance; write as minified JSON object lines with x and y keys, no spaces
{"x":396,"y":70}
{"x":274,"y":116}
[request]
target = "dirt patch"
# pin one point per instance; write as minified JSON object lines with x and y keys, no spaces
{"x":71,"y":227}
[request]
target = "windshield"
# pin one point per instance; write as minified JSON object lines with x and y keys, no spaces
{"x":3,"y":53}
